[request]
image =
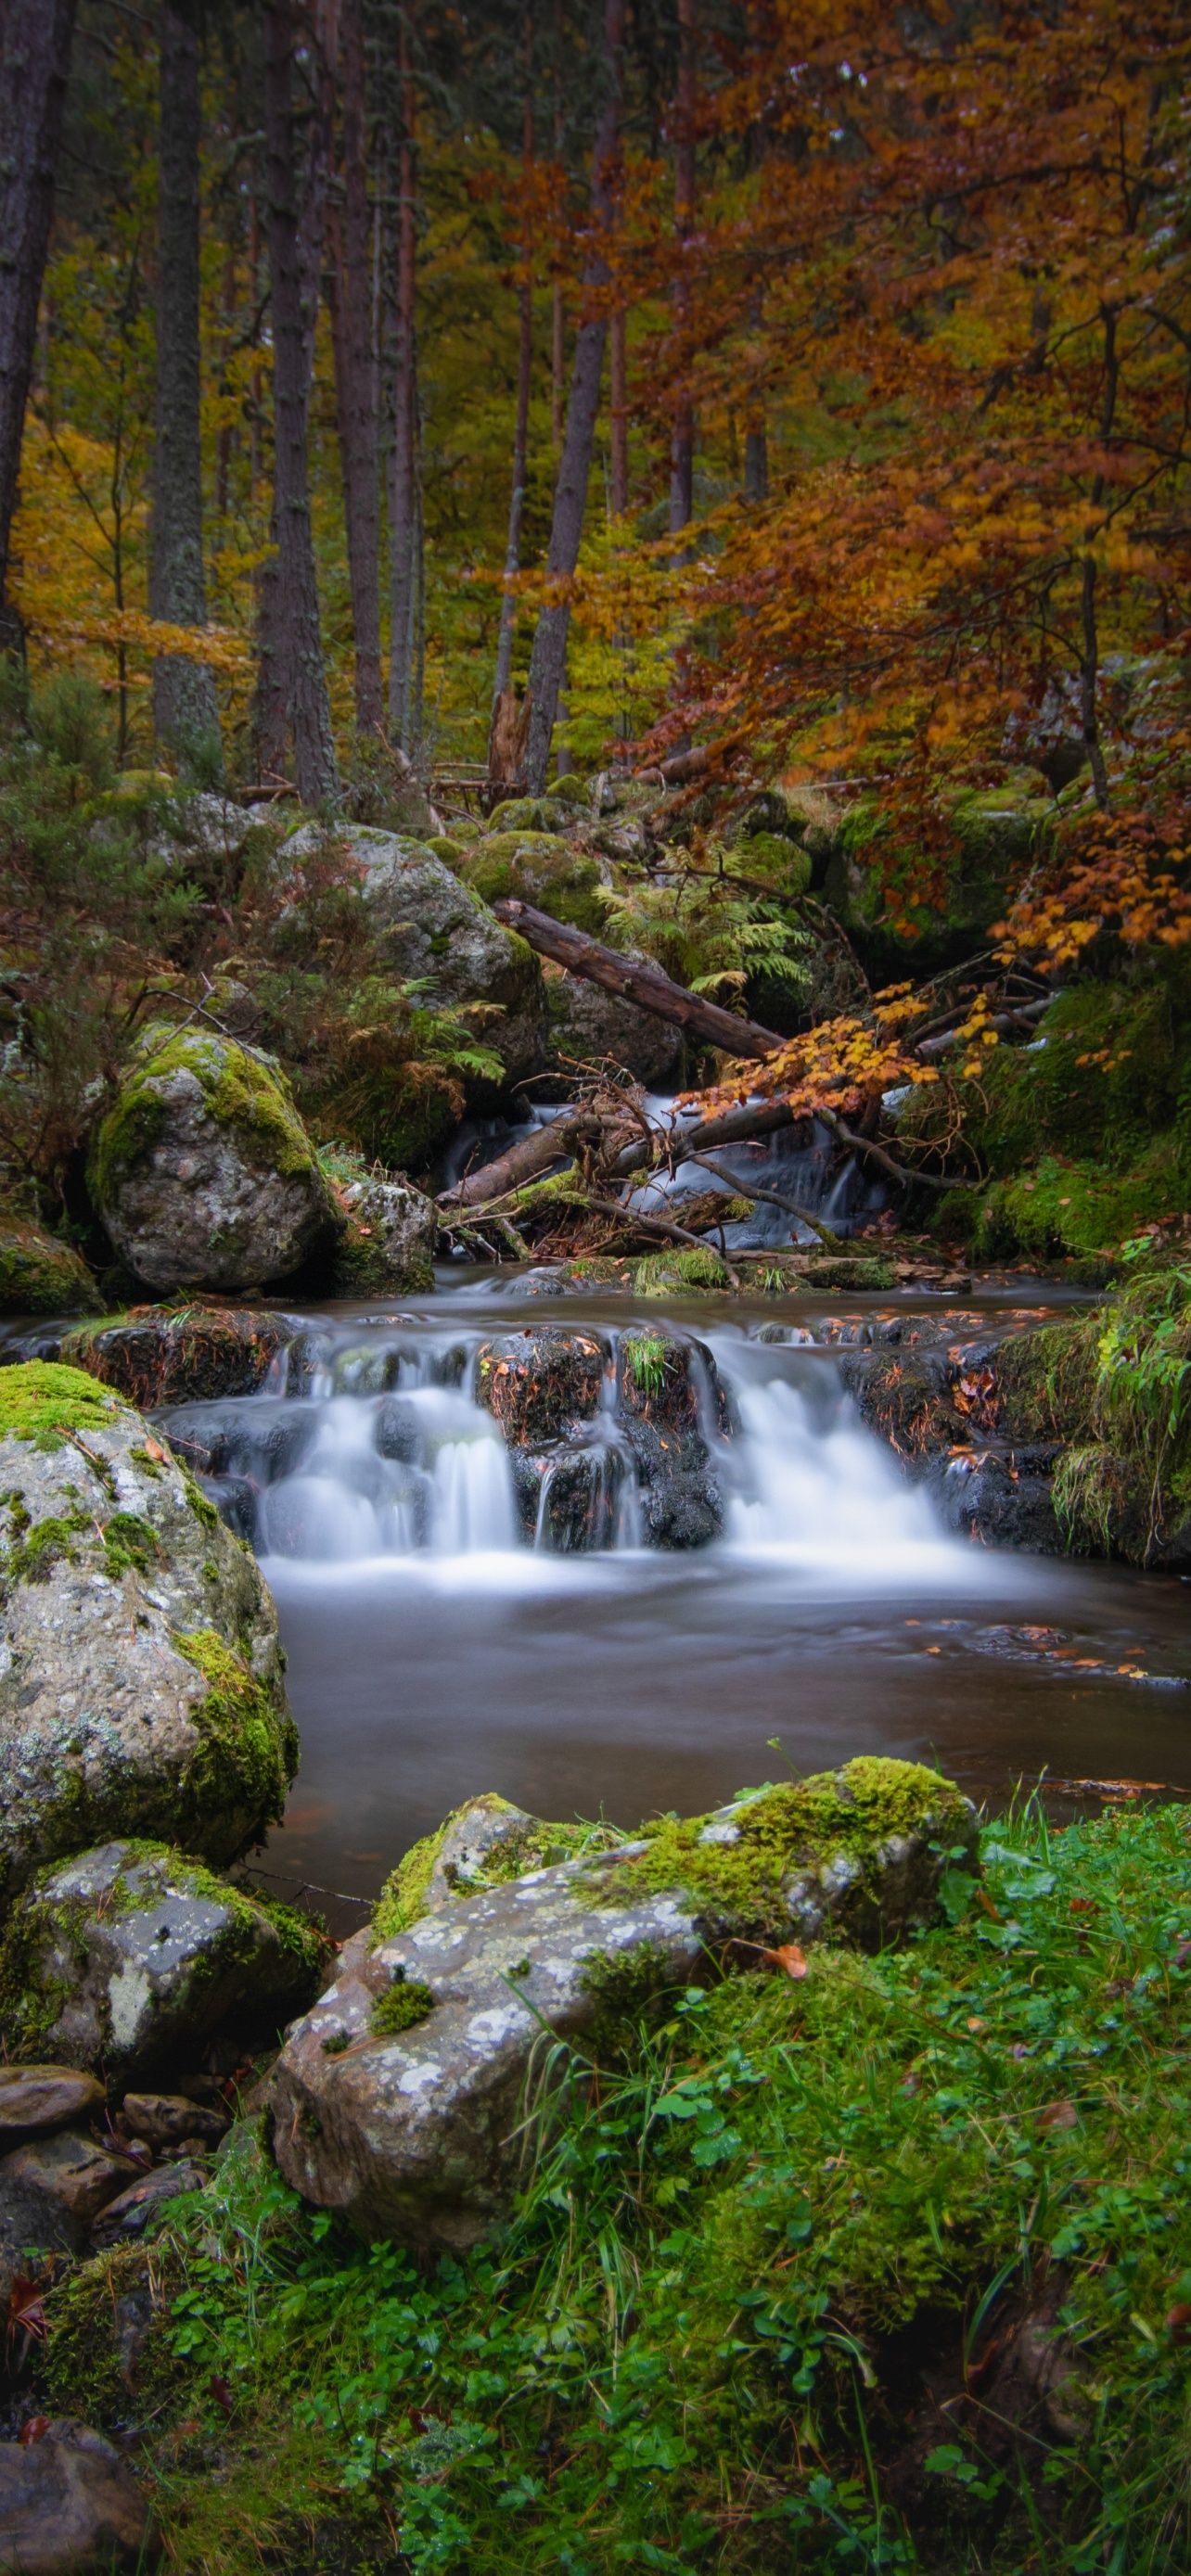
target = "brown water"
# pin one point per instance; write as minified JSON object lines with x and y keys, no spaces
{"x":834,"y":1618}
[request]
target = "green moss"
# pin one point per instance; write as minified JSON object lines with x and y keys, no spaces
{"x":84,"y":2368}
{"x":539,"y":868}
{"x":405,"y":1896}
{"x":858,"y":1273}
{"x":1056,"y":1208}
{"x":37,"y":1548}
{"x":248,"y":1751}
{"x":444,"y":848}
{"x":363,"y":1267}
{"x":780,"y":1831}
{"x":130,"y":1544}
{"x":39,"y":1276}
{"x":238,"y":1090}
{"x":660,"y":1274}
{"x":772,"y":854}
{"x":1115,"y":1387}
{"x":47,"y":1404}
{"x":407,"y":2002}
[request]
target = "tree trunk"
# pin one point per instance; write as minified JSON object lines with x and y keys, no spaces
{"x":1089,"y":669}
{"x":185,"y":706}
{"x":402,"y":497}
{"x":355,"y":383}
{"x":295,"y":584}
{"x":619,"y":390}
{"x":643,"y":984}
{"x":508,"y":605}
{"x":34,"y":59}
{"x":682,"y":436}
{"x":548,"y":661}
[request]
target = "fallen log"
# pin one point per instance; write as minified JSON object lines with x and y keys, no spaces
{"x":520,"y":1162}
{"x":644,"y":984}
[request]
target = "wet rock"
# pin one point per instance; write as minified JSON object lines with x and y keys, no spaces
{"x":40,"y":1276}
{"x":387,"y":1247}
{"x":128,"y":1956}
{"x":141,"y":1685}
{"x":171,"y":2119}
{"x":680,"y":1495}
{"x":587,"y":1025}
{"x":560,"y":877}
{"x":70,"y":2505}
{"x":413,"y":2131}
{"x":127,"y":2218}
{"x":436,"y":928}
{"x":188,"y":1358}
{"x":907,"y":1400}
{"x":52,"y":2190}
{"x":1001,"y":1499}
{"x":540,"y":1383}
{"x":670,"y":1396}
{"x":262,"y":1445}
{"x":202,"y":1170}
{"x":582,"y":1494}
{"x":33,"y":2098}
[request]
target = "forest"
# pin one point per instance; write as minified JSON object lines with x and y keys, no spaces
{"x":595,"y":1287}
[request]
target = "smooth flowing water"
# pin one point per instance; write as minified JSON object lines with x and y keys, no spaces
{"x":439,"y":1644}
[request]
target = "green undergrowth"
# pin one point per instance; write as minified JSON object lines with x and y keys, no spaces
{"x":1115,"y":1386}
{"x":886,"y":2269}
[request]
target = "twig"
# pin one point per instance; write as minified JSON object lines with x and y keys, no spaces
{"x":630,"y":1217}
{"x":755,"y":1190}
{"x":872,"y":1153}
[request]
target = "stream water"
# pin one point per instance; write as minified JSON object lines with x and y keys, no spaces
{"x":436,"y":1649}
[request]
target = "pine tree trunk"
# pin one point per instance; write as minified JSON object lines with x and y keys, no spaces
{"x":508,"y":605}
{"x":355,"y":386}
{"x":619,"y":391}
{"x":548,"y":662}
{"x":682,"y":436}
{"x":402,"y":495}
{"x":296,"y":642}
{"x":185,"y":706}
{"x":35,"y":40}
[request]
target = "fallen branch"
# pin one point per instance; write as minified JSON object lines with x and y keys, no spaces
{"x":519,"y":1162}
{"x":636,"y":981}
{"x":1003,"y":1022}
{"x":773,"y":1198}
{"x":873,"y":1153}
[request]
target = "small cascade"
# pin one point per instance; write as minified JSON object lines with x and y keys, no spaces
{"x":405,"y":1439}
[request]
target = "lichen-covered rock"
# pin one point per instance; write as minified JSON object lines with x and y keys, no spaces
{"x":69,"y":2505}
{"x":538,"y":867}
{"x":484,"y":1843}
{"x":387,"y":1246}
{"x":40,"y":1276}
{"x":188,"y":1358}
{"x":141,"y":1682}
{"x":436,"y":928}
{"x":397,"y":2100}
{"x":129,"y":1956}
{"x":202,"y":1170}
{"x":587,"y":1024}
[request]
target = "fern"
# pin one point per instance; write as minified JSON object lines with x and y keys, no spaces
{"x":711,"y":934}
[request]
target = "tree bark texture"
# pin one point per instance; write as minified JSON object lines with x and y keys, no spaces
{"x":35,"y":37}
{"x":548,"y":661}
{"x":619,"y":392}
{"x":644,"y":984}
{"x":355,"y":382}
{"x":185,"y":705}
{"x":297,"y":641}
{"x":403,"y":448}
{"x":508,"y":605}
{"x":682,"y":436}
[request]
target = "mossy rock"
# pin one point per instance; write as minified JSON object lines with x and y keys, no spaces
{"x":1056,"y":1208}
{"x":41,"y":1276}
{"x":446,"y":848}
{"x":1108,"y":1073}
{"x":857,"y":1272}
{"x":483,"y":1844}
{"x":202,"y":1170}
{"x":550,"y":813}
{"x":538,"y":868}
{"x":141,"y":1686}
{"x":683,"y":1273}
{"x":779,"y":860}
{"x":129,"y":1956}
{"x":189,"y":1357}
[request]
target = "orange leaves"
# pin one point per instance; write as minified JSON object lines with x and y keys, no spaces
{"x":840,"y":1066}
{"x":1120,"y":874}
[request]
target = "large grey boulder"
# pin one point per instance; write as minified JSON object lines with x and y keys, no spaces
{"x":202,"y":1170}
{"x":436,"y":929}
{"x":141,"y":1682}
{"x":129,"y":1956}
{"x":399,"y":2098}
{"x":587,"y":1025}
{"x":69,"y":2504}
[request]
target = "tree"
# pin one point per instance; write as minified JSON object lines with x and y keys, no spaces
{"x":35,"y":40}
{"x":355,"y":377}
{"x":682,"y":435}
{"x":548,"y":661}
{"x":185,"y":707}
{"x":403,"y":488}
{"x":508,"y":609}
{"x":298,"y":653}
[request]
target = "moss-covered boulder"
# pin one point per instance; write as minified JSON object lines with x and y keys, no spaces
{"x":398,"y":2100}
{"x":590,"y":1026}
{"x":387,"y":1245}
{"x":41,"y":1276}
{"x":539,"y":868}
{"x":141,"y":1685}
{"x":567,"y":798}
{"x":202,"y":1170}
{"x":129,"y":1956}
{"x":437,"y":931}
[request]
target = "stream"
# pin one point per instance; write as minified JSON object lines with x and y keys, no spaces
{"x":439,"y":1645}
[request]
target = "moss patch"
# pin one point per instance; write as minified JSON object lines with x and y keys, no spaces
{"x":407,"y":2002}
{"x":405,"y":1896}
{"x":47,"y":1403}
{"x":248,"y":1752}
{"x":659,"y":1274}
{"x":41,"y":1277}
{"x":539,"y":868}
{"x":779,"y":1831}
